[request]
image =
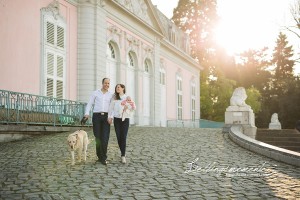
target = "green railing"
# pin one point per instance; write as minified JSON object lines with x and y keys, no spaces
{"x":210,"y":124}
{"x":183,"y":123}
{"x":202,"y":123}
{"x":22,"y":108}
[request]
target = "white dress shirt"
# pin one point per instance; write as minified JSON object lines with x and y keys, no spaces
{"x":100,"y":100}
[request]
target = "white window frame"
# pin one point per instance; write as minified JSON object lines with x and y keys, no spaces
{"x":48,"y":16}
{"x":110,"y":51}
{"x":130,"y":60}
{"x":193,"y":101}
{"x":146,"y":67}
{"x":179,"y":97}
{"x":162,"y":76}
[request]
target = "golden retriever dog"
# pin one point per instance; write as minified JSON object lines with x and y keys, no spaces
{"x":78,"y":141}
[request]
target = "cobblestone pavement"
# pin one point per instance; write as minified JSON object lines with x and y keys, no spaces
{"x":163,"y":163}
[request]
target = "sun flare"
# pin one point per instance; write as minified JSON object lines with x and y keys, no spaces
{"x":246,"y":24}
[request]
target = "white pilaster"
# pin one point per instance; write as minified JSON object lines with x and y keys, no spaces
{"x":91,"y":47}
{"x":156,"y":118}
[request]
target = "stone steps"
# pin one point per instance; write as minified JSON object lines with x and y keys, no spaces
{"x":275,"y":139}
{"x":284,"y":138}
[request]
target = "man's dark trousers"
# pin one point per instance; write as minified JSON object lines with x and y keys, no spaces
{"x":101,"y":129}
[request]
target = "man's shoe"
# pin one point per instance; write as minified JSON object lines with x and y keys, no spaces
{"x":104,"y":162}
{"x":123,"y":159}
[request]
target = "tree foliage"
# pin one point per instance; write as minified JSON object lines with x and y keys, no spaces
{"x":282,"y":96}
{"x":197,"y":18}
{"x":252,"y":69}
{"x":254,"y":99}
{"x":283,"y":62}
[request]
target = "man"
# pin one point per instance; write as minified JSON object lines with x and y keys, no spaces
{"x":101,"y":124}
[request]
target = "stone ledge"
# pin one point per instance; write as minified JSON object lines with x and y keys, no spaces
{"x":276,"y":153}
{"x":23,"y":128}
{"x":10,"y":132}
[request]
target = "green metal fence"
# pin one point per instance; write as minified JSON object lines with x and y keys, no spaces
{"x":183,"y":123}
{"x":22,"y":108}
{"x":202,"y":123}
{"x":210,"y":124}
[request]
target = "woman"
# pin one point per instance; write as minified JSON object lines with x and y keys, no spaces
{"x":120,"y":105}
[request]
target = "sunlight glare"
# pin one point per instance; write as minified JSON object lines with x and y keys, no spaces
{"x":246,"y":24}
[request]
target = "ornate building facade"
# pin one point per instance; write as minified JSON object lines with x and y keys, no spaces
{"x":63,"y":48}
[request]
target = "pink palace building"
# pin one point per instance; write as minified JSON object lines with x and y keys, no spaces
{"x":64,"y":48}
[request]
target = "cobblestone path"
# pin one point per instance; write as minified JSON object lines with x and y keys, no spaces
{"x":162,"y":163}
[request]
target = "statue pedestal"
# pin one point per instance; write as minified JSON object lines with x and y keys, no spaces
{"x":275,"y":126}
{"x":242,"y":115}
{"x":239,"y":115}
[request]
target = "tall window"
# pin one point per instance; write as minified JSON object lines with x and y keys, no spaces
{"x":193,"y":101}
{"x":111,"y":64}
{"x":162,"y":76}
{"x":54,"y":54}
{"x":131,"y":79}
{"x":111,"y":51}
{"x":146,"y":66}
{"x":147,"y":91}
{"x":131,"y":61}
{"x":179,"y":98}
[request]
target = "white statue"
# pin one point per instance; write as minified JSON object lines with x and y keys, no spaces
{"x":274,"y":118}
{"x":239,"y":113}
{"x":275,"y":124}
{"x":239,"y":97}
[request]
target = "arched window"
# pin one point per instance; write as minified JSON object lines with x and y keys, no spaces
{"x":131,"y":79}
{"x":111,"y":51}
{"x":162,"y":76}
{"x":131,"y":61}
{"x":147,"y":66}
{"x":111,"y":63}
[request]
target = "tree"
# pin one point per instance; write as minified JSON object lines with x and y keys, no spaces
{"x":253,"y":69}
{"x":217,"y":92}
{"x":254,"y":99}
{"x":289,"y":107}
{"x":283,"y":62}
{"x":281,"y":97}
{"x":197,"y":18}
{"x":295,"y":11}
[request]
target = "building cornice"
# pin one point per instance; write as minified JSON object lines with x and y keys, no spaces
{"x":73,"y":2}
{"x":136,"y":18}
{"x":180,"y":53}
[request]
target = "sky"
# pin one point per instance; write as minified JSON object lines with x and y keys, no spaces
{"x":248,"y":24}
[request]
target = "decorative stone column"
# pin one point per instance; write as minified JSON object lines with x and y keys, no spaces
{"x":240,"y":113}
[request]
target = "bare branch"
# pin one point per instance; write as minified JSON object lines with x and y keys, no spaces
{"x":289,"y":29}
{"x":295,"y":12}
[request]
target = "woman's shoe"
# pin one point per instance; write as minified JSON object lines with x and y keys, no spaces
{"x":123,"y":159}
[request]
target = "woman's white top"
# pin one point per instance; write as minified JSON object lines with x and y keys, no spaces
{"x":117,"y":110}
